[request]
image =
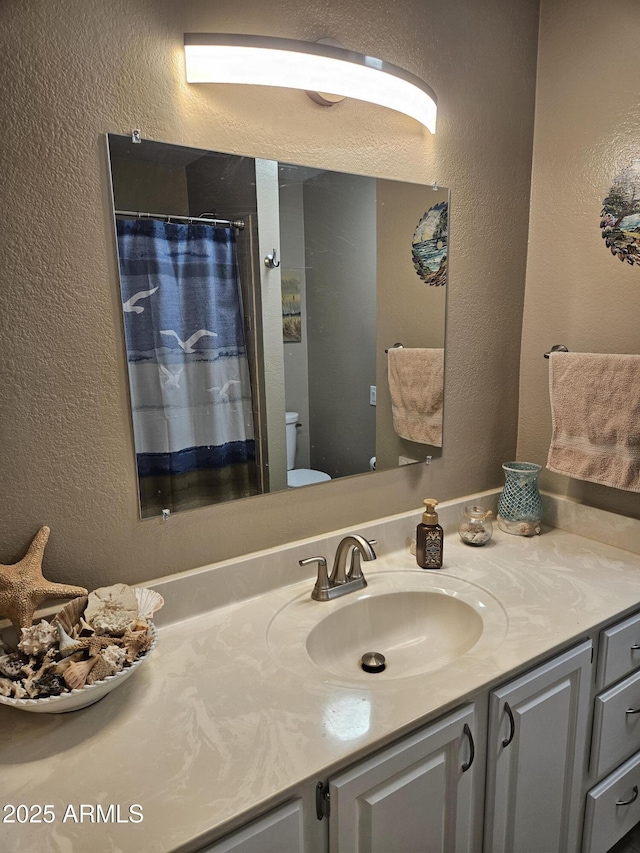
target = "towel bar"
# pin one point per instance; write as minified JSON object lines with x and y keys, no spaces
{"x":556,"y":348}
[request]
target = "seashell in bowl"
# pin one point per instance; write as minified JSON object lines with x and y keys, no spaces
{"x":148,"y":601}
{"x":76,"y":673}
{"x":37,"y":639}
{"x":136,"y":643}
{"x":50,"y":684}
{"x":12,"y":689}
{"x":71,"y":615}
{"x":74,"y":622}
{"x":84,"y":661}
{"x":76,"y":698}
{"x":108,"y":662}
{"x":13,"y":664}
{"x":112,"y":609}
{"x":67,"y":645}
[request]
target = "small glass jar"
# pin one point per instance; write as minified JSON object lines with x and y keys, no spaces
{"x":476,"y":527}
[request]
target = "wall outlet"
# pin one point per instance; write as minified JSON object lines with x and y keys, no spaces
{"x":372,"y":395}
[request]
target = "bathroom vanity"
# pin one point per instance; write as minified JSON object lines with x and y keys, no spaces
{"x":513,"y":726}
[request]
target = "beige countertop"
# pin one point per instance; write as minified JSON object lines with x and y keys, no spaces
{"x":214,"y":727}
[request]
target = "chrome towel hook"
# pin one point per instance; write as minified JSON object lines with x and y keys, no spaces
{"x":271,"y":261}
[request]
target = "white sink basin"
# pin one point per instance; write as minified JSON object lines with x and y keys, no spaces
{"x":420,"y":621}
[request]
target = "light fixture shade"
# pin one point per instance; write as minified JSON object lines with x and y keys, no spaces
{"x":311,"y":66}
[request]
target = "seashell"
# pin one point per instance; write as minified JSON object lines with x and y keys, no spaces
{"x":148,"y":601}
{"x":115,"y":656}
{"x":135,"y":643}
{"x":71,"y":614}
{"x":28,"y":685}
{"x":18,"y":691}
{"x":50,"y":685}
{"x":12,"y":688}
{"x":84,"y":629}
{"x":30,"y":688}
{"x":66,"y":644}
{"x":108,"y":662}
{"x":95,"y":644}
{"x":112,"y":609}
{"x":13,"y":664}
{"x":100,"y":671}
{"x":61,"y":665}
{"x":76,"y":673}
{"x":6,"y":687}
{"x":34,"y":672}
{"x":37,"y":638}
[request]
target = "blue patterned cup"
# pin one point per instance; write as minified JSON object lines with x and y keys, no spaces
{"x":519,"y":505}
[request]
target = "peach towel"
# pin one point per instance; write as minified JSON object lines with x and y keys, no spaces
{"x":595,"y":416}
{"x":416,"y":378}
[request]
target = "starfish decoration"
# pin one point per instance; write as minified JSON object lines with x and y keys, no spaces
{"x":23,"y":588}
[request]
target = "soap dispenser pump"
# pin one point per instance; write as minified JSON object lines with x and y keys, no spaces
{"x":429,"y":538}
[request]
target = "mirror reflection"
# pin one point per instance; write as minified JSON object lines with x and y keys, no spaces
{"x":259,"y":299}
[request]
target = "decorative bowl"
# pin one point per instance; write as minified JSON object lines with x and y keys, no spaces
{"x":87,"y":695}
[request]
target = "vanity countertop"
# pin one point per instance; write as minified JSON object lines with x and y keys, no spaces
{"x":214,"y":729}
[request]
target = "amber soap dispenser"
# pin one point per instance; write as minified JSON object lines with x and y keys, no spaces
{"x":429,"y":538}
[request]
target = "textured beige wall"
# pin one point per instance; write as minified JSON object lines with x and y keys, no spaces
{"x":74,"y":69}
{"x":587,"y":130}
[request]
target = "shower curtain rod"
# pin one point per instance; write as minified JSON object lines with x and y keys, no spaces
{"x":169,"y":217}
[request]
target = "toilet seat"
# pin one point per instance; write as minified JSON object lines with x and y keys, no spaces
{"x":305,"y":477}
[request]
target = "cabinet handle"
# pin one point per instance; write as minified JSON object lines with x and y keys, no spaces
{"x":632,"y":711}
{"x":635,"y":647}
{"x":512,"y":724}
{"x":323,"y":800}
{"x":472,"y":749}
{"x":634,"y":797}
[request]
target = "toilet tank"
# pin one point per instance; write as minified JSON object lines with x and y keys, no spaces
{"x":290,"y":428}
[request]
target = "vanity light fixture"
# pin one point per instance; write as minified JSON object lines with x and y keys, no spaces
{"x":315,"y":67}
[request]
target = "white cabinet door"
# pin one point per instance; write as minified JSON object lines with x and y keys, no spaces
{"x":413,"y":797}
{"x":279,"y":831}
{"x":536,"y":757}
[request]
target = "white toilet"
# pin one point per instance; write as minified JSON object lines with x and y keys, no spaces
{"x":298,"y":476}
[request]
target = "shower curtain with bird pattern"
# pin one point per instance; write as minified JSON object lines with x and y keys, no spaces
{"x":188,"y":368}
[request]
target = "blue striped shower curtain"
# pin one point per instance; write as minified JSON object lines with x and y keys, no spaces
{"x":188,"y":369}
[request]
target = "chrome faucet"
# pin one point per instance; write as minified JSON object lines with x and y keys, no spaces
{"x":351,"y":550}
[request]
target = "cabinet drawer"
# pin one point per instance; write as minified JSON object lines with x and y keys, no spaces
{"x":618,"y":655}
{"x":613,"y":807}
{"x":616,"y":729}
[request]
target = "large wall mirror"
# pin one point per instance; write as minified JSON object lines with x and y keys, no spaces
{"x":259,"y":302}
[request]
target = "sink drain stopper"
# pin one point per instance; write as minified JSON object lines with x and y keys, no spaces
{"x":373,"y":662}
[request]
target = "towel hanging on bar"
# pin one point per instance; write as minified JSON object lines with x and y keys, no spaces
{"x":595,"y":415}
{"x":416,"y":386}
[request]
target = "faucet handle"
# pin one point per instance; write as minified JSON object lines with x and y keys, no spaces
{"x":355,"y":570}
{"x":322,"y":587}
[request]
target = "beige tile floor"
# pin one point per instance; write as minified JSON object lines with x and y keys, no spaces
{"x":630,"y":843}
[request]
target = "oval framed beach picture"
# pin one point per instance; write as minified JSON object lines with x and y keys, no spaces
{"x":620,"y":216}
{"x":430,"y":244}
